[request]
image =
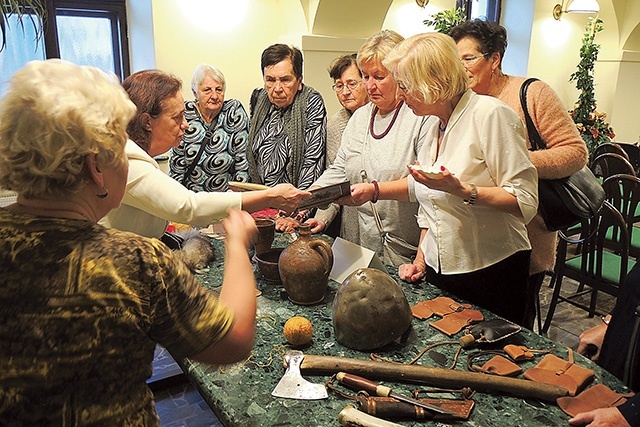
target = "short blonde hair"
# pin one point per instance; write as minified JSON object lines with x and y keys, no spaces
{"x":378,"y":46}
{"x":428,"y":65}
{"x":53,"y":115}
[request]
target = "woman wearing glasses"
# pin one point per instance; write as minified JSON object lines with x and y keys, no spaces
{"x":351,"y":94}
{"x":380,"y":139}
{"x":287,"y":133}
{"x":481,"y":47}
{"x":479,"y":188}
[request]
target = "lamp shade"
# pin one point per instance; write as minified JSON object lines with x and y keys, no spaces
{"x":583,"y":6}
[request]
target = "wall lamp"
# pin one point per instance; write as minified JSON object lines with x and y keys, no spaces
{"x":575,"y":6}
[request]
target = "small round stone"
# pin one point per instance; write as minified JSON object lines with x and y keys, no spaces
{"x":298,"y":331}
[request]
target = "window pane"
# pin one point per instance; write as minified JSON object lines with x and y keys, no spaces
{"x":21,"y":48}
{"x":86,"y":41}
{"x":478,"y":9}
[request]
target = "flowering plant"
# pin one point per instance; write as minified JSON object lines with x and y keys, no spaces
{"x":591,"y":124}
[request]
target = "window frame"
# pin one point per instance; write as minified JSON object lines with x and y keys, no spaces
{"x":115,"y":10}
{"x":492,"y":13}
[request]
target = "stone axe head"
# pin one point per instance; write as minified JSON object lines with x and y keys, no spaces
{"x":293,"y":386}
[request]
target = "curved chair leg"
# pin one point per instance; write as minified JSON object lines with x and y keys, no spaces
{"x":557,"y":284}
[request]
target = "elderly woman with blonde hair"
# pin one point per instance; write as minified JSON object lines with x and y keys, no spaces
{"x":475,"y":183}
{"x":380,"y":139}
{"x":83,"y":306}
{"x":213,"y":150}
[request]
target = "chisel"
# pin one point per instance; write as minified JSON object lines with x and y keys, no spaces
{"x":373,"y":388}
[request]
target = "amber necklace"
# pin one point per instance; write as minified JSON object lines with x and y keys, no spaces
{"x":386,"y":131}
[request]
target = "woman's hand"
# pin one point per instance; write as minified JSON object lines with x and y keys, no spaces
{"x":239,"y":227}
{"x":286,"y":224}
{"x":603,"y":417}
{"x":445,"y":181}
{"x":592,"y":337}
{"x":410,"y":273}
{"x":287,"y":197}
{"x":359,"y":195}
{"x":316,"y":225}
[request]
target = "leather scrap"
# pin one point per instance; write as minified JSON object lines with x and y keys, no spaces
{"x":440,"y":306}
{"x":502,"y":366}
{"x":518,"y":353}
{"x":596,"y":397}
{"x":453,"y":323}
{"x":556,"y":371}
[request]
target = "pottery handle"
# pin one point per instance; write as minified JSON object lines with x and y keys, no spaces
{"x":325,"y":251}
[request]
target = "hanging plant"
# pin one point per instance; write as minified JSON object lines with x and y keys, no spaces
{"x":21,"y":9}
{"x":592,"y":125}
{"x":445,"y":20}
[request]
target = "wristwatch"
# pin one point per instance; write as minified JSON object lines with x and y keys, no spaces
{"x":474,"y":195}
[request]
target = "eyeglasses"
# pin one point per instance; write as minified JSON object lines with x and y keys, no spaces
{"x":402,"y":86}
{"x":472,"y":59}
{"x":285,"y":81}
{"x":351,"y":85}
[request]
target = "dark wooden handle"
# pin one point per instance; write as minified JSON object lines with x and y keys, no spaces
{"x":358,"y":383}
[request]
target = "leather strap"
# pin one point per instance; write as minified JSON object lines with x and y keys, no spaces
{"x":207,"y":138}
{"x":537,"y":143}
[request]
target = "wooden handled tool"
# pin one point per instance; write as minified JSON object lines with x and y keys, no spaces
{"x":358,"y":383}
{"x":437,"y":377}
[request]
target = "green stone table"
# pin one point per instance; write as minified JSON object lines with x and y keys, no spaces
{"x":240,"y":395}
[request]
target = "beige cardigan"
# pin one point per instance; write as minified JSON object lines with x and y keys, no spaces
{"x":566,"y":154}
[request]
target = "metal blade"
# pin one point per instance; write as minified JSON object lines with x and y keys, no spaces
{"x":432,"y":408}
{"x":293,"y":386}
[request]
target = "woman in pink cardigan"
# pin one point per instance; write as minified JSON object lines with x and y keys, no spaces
{"x":481,"y":47}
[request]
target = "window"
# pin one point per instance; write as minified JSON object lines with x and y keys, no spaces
{"x":83,"y":32}
{"x":489,"y":9}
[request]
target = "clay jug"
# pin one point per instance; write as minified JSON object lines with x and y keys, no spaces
{"x":304,"y":268}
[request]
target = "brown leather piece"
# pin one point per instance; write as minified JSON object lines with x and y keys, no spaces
{"x":598,"y":396}
{"x":556,"y":371}
{"x":440,"y":306}
{"x":453,"y":323}
{"x":499,"y":365}
{"x":519,"y":353}
{"x":391,"y":409}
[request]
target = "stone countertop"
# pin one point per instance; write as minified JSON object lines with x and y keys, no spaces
{"x":240,"y":394}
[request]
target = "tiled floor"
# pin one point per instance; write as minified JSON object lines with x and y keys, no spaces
{"x":180,"y":405}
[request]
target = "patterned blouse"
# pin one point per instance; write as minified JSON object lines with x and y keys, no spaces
{"x":81,"y":310}
{"x":272,"y":148}
{"x":224,"y":157}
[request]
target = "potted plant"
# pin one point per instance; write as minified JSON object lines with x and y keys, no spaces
{"x":592,"y":125}
{"x":445,"y":20}
{"x":21,"y":9}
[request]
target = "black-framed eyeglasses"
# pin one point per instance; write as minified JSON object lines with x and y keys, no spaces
{"x":473,"y":59}
{"x":351,"y":85}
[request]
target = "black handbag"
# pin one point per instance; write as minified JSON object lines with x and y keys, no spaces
{"x":563,"y":202}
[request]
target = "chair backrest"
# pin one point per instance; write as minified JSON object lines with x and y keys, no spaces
{"x":609,"y":223}
{"x":623,"y":192}
{"x":610,"y":147}
{"x":608,"y":164}
{"x":633,"y":153}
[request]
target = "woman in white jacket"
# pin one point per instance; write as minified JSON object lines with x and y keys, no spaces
{"x":153,"y":198}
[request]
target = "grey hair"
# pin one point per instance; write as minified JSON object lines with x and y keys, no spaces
{"x":203,"y":70}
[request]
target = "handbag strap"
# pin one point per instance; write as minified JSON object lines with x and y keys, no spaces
{"x":208,"y":136}
{"x":537,"y":143}
{"x":376,"y":217}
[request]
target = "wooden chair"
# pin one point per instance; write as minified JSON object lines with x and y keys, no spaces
{"x":596,"y":267}
{"x":623,"y":192}
{"x":633,"y":153}
{"x":608,"y":164}
{"x":610,"y":147}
